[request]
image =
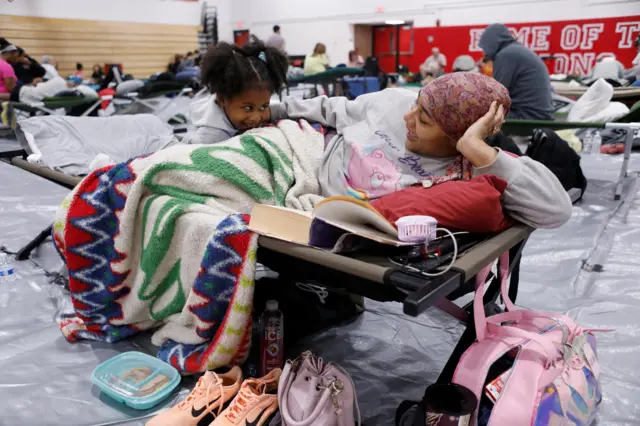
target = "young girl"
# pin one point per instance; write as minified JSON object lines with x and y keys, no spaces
{"x":241,"y":80}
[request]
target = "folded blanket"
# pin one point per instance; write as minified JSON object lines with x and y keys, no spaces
{"x":162,"y":241}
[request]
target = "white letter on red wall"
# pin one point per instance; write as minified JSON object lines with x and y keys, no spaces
{"x":561,"y":63}
{"x":590,"y":33}
{"x":581,"y":63}
{"x":474,"y":35}
{"x":539,"y":42}
{"x":522,"y":35}
{"x":570,"y":37}
{"x":628,"y":31}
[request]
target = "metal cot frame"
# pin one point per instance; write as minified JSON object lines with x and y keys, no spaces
{"x":374,"y":277}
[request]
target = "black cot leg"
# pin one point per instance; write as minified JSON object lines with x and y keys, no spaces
{"x":515,"y":279}
{"x":515,"y":255}
{"x":25,"y":252}
{"x":466,"y":340}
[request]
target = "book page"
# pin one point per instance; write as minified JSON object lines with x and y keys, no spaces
{"x":357,"y":217}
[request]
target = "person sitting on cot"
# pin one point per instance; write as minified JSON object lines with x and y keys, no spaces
{"x":38,"y":92}
{"x":521,"y":71}
{"x":390,"y":140}
{"x":33,"y":93}
{"x":241,"y":81}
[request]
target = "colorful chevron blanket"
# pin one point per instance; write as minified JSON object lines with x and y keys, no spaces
{"x":162,"y":242}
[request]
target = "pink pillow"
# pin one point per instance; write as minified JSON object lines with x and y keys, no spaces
{"x":472,"y":205}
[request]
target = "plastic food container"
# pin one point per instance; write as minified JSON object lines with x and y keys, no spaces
{"x":136,"y":379}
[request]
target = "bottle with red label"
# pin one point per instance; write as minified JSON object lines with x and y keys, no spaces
{"x":271,"y":338}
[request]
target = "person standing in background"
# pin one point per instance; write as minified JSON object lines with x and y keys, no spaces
{"x":434,"y":64}
{"x":521,"y":71}
{"x":276,"y":40}
{"x":318,"y":61}
{"x":49,"y":64}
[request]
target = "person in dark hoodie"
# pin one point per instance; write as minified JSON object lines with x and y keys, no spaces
{"x":521,"y":71}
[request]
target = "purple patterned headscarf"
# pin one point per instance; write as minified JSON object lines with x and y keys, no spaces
{"x":457,"y":100}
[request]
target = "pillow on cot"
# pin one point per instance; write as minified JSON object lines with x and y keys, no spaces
{"x":472,"y":205}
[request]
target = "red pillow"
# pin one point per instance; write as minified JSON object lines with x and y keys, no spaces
{"x":472,"y":205}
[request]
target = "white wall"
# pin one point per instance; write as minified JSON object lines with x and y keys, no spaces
{"x":306,"y":22}
{"x":225,"y":30}
{"x":147,"y":11}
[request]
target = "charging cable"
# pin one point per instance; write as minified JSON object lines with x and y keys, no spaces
{"x":444,"y":271}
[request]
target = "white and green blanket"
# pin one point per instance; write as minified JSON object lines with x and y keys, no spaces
{"x":162,"y":241}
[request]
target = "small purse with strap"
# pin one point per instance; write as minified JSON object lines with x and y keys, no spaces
{"x":312,"y":393}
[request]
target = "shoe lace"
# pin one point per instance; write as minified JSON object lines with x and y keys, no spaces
{"x":241,"y":401}
{"x":199,"y":390}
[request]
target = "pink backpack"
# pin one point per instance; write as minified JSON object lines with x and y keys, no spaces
{"x":554,"y":376}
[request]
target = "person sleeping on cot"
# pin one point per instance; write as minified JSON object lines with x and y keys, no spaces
{"x":390,"y":140}
{"x":241,"y":81}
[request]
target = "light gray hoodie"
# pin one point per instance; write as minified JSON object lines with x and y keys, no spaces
{"x":368,"y":157}
{"x":212,"y":124}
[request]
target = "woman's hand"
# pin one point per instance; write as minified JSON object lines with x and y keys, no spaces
{"x":488,"y":125}
{"x":472,"y":144}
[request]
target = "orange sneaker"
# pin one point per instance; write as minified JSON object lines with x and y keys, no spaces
{"x":255,"y":404}
{"x":205,"y":401}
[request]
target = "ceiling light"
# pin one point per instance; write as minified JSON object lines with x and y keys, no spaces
{"x":394,"y":22}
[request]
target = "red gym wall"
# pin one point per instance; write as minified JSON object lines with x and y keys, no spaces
{"x":575,"y":44}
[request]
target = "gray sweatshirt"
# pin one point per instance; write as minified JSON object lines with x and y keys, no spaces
{"x":212,"y":124}
{"x":521,"y":71}
{"x":368,"y":157}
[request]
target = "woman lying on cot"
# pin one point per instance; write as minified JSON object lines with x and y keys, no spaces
{"x":241,"y":81}
{"x":32,"y":93}
{"x":390,"y":140}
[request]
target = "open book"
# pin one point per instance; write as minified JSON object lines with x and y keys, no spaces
{"x":327,"y":225}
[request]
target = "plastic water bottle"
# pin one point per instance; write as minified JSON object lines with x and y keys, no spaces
{"x":596,"y":143}
{"x":7,"y":271}
{"x":587,"y":142}
{"x":271,"y":339}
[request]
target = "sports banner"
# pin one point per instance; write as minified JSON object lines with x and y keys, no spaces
{"x":575,"y":45}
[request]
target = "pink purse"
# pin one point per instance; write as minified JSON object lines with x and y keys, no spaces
{"x":553,"y":378}
{"x":312,"y":393}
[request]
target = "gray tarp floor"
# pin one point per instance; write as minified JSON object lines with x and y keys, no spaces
{"x":46,"y":381}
